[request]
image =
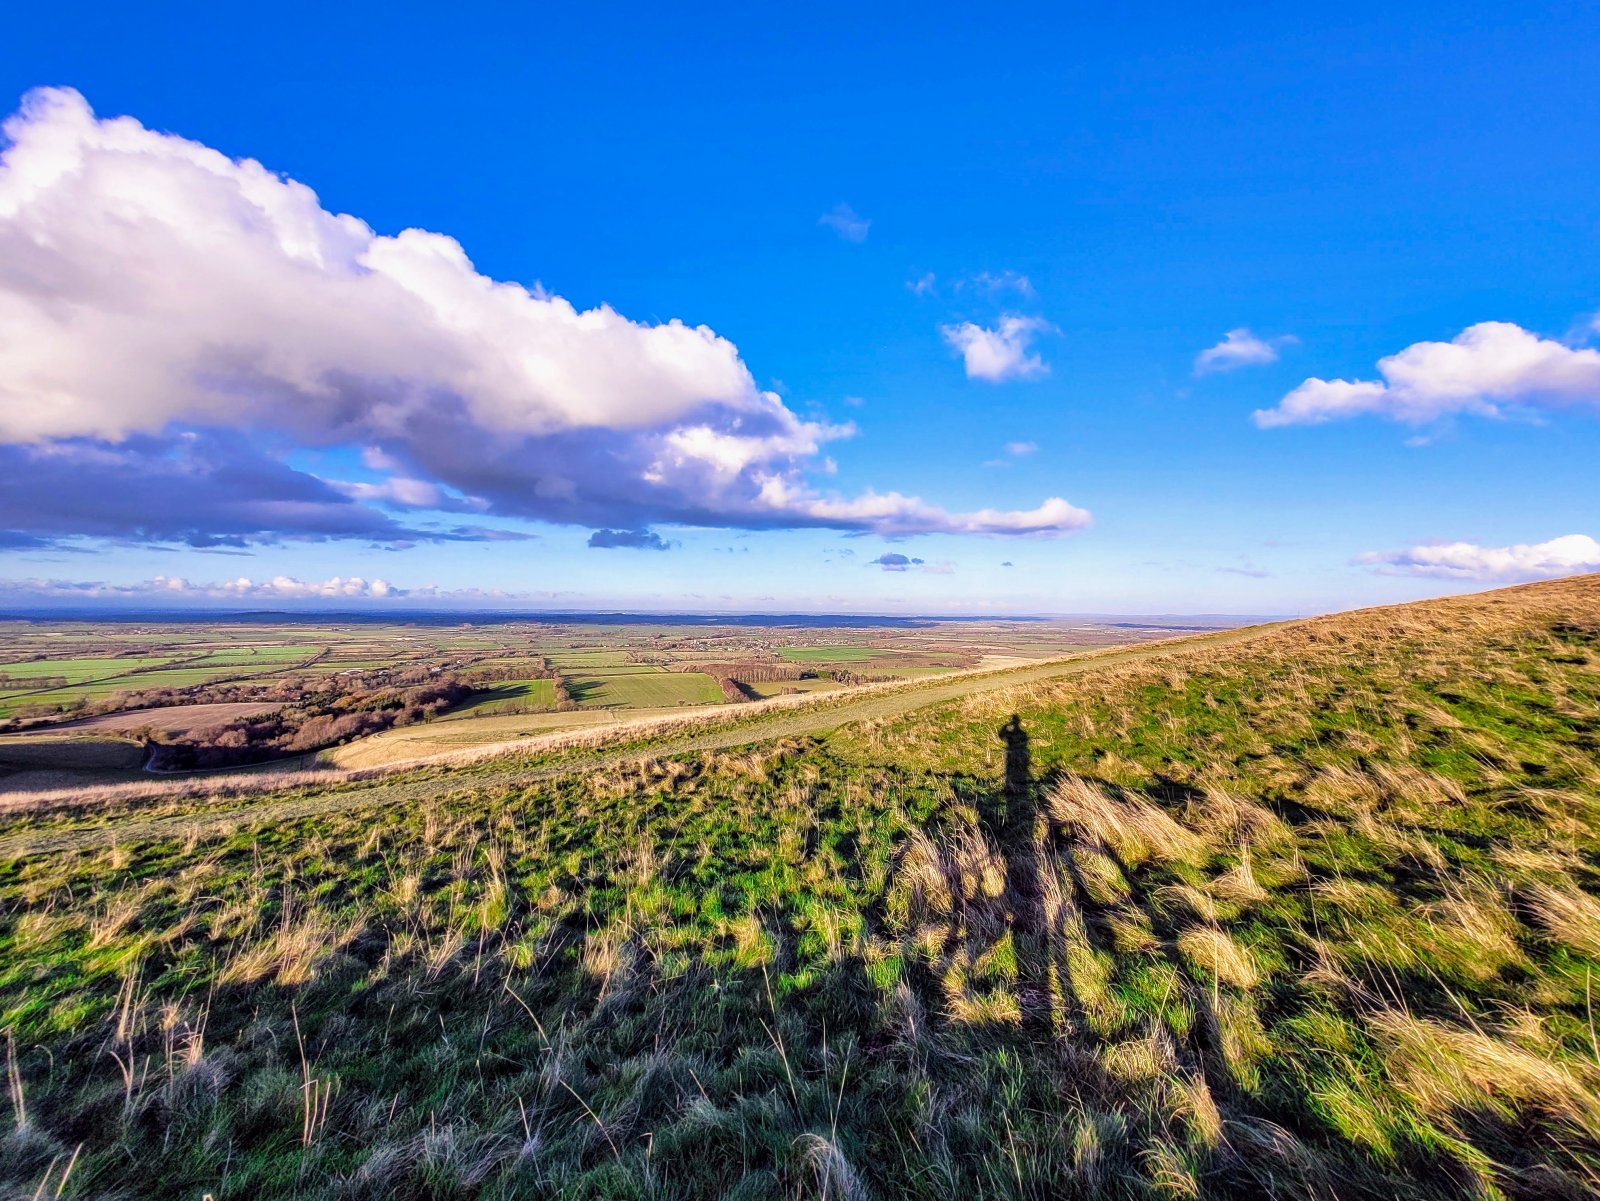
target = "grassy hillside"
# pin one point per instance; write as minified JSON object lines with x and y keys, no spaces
{"x":1312,"y":915}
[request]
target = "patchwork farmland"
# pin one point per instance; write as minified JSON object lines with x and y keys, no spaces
{"x":214,"y":695}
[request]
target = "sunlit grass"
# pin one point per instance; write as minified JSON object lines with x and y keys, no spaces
{"x":1312,"y":915}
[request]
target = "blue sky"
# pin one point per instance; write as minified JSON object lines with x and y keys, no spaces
{"x":847,"y":197}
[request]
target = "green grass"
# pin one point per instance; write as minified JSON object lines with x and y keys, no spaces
{"x":828,"y":654}
{"x":589,"y":658}
{"x":643,"y":690}
{"x":95,"y":679}
{"x":264,"y":657}
{"x":86,"y":677}
{"x":167,"y":677}
{"x":330,"y":666}
{"x":521,"y":696}
{"x":630,"y":669}
{"x":1311,"y":916}
{"x":77,"y":670}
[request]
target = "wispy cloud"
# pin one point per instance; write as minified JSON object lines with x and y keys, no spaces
{"x":846,"y":222}
{"x":1239,"y":348}
{"x":403,"y":492}
{"x":998,"y":283}
{"x":1483,"y":370}
{"x":894,"y":514}
{"x":1014,"y":451}
{"x":1573,"y":554}
{"x":989,"y":284}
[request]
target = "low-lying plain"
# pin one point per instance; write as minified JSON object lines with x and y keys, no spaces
{"x":1309,"y":913}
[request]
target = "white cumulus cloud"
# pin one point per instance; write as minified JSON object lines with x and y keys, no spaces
{"x":1001,"y":353}
{"x":215,"y":291}
{"x":1239,"y":348}
{"x":152,"y":289}
{"x":1572,"y":554}
{"x":1483,"y":369}
{"x":288,"y":587}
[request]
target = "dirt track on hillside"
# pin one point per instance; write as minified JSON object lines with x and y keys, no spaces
{"x":204,"y":819}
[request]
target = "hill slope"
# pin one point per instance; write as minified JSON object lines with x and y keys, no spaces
{"x":1311,"y":914}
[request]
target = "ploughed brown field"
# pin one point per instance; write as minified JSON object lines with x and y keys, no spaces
{"x":169,"y":719}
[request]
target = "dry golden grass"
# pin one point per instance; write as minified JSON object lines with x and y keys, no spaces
{"x":291,"y":953}
{"x":1474,"y":917}
{"x":1150,"y":1057}
{"x":752,"y":944}
{"x":1098,"y":874}
{"x":1569,"y":916}
{"x":1212,"y":951}
{"x":1133,"y":830}
{"x":996,"y":1007}
{"x":1452,"y":1071}
{"x":1194,"y":1107}
{"x":1238,"y":885}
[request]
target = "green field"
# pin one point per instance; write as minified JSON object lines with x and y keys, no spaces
{"x":523,"y":662}
{"x":203,"y":652}
{"x":263,"y":657}
{"x":828,"y":654}
{"x":521,"y":696}
{"x":72,"y":670}
{"x":94,"y":679}
{"x":76,"y":670}
{"x":590,"y":658}
{"x":333,"y":665}
{"x":85,"y":676}
{"x":643,"y":691}
{"x":166,"y":677}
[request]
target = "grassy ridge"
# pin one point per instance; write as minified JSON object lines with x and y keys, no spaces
{"x":1312,"y":915}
